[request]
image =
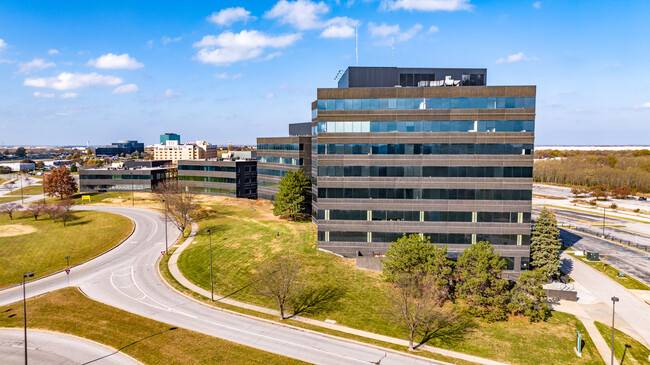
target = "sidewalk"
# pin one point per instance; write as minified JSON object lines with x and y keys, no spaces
{"x":173,"y":268}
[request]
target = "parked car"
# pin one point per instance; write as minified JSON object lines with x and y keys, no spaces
{"x":643,"y":198}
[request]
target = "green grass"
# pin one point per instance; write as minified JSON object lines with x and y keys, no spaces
{"x":28,"y":190}
{"x":6,"y":199}
{"x":612,"y":272}
{"x":243,"y":238}
{"x":149,"y":341}
{"x":624,"y":345}
{"x":103,"y":198}
{"x":43,"y":251}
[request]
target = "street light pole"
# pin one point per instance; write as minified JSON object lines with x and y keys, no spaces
{"x":614,"y":300}
{"x":67,"y":258}
{"x":132,"y":188}
{"x":604,"y":221}
{"x":211,"y":281}
{"x":28,"y":275}
{"x":166,"y":248}
{"x":22,"y":198}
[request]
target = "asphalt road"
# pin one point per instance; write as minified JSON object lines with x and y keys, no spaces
{"x":126,"y":278}
{"x":53,"y":348}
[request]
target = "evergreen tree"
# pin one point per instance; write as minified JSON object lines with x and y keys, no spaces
{"x":545,"y":244}
{"x":528,"y":295}
{"x":293,"y":200}
{"x":479,"y":283}
{"x":415,"y":255}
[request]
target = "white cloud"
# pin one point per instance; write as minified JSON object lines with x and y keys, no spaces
{"x":269,"y":96}
{"x":383,"y":30}
{"x":34,"y":65}
{"x":166,"y":40}
{"x":427,"y":5}
{"x":229,"y":47}
{"x":517,"y":57}
{"x":272,"y":55}
{"x":68,"y":95}
{"x":389,"y":32}
{"x":433,"y":29}
{"x":642,"y":106}
{"x":113,"y":61}
{"x":537,"y":4}
{"x":3,"y":44}
{"x":126,"y":89}
{"x":301,"y":14}
{"x":53,"y":52}
{"x":67,"y":81}
{"x":225,"y":76}
{"x":149,"y":44}
{"x":168,"y":94}
{"x":340,"y":27}
{"x":38,"y":94}
{"x":229,"y":16}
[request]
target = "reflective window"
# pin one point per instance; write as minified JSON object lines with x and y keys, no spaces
{"x":426,"y":171}
{"x":280,"y":146}
{"x":207,"y":168}
{"x":271,"y":172}
{"x":434,"y":194}
{"x":428,"y":126}
{"x":280,"y":160}
{"x":428,"y":103}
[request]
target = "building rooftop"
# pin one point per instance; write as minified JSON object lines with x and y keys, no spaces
{"x":355,"y":77}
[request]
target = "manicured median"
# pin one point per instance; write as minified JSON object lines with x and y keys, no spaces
{"x":612,"y":272}
{"x":245,"y":233}
{"x":41,"y":246}
{"x":149,"y":341}
{"x":28,"y":190}
{"x":626,"y":349}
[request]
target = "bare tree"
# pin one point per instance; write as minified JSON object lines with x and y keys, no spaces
{"x":54,"y":211}
{"x":9,"y":209}
{"x":180,"y":205}
{"x":66,"y":210}
{"x":415,"y":302}
{"x":36,"y":209}
{"x":278,"y":279}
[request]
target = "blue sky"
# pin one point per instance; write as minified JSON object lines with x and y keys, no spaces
{"x":224,"y":71}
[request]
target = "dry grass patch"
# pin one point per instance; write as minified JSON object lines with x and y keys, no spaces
{"x":16,"y":230}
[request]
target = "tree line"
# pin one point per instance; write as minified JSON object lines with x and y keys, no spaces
{"x":614,"y":169}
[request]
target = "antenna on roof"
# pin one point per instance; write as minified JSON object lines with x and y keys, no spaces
{"x":338,"y":74}
{"x":356,"y":45}
{"x":392,"y":56}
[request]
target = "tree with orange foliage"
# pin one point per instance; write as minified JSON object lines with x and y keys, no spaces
{"x":59,"y":183}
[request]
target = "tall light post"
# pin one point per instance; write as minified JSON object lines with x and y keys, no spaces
{"x":614,"y":300}
{"x":67,"y":259}
{"x":211,"y":281}
{"x":166,"y":248}
{"x":28,"y":275}
{"x":132,"y":188}
{"x":22,"y":197}
{"x":604,"y":221}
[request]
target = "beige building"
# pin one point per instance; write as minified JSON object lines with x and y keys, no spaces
{"x":173,"y":151}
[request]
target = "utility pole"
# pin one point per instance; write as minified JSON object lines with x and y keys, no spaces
{"x":604,"y":221}
{"x":211,"y":281}
{"x":22,"y":198}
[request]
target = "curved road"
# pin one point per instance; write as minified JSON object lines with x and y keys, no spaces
{"x":126,"y":278}
{"x":54,"y":348}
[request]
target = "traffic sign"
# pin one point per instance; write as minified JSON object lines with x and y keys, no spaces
{"x":162,"y":253}
{"x":67,"y":271}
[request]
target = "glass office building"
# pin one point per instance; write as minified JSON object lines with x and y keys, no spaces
{"x":278,"y":155}
{"x":429,"y":151}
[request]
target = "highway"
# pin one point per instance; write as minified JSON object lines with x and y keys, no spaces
{"x":126,"y":278}
{"x":54,"y":348}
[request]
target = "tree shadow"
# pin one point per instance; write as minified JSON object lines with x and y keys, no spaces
{"x":131,"y":344}
{"x":317,"y":299}
{"x":624,"y":353}
{"x":233,"y":293}
{"x":76,"y":222}
{"x":448,"y":329}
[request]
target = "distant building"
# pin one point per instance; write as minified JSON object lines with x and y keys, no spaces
{"x":117,"y":148}
{"x":173,"y":151}
{"x":170,"y":137}
{"x":123,"y":179}
{"x":19,"y":166}
{"x":236,"y":178}
{"x":243,"y":155}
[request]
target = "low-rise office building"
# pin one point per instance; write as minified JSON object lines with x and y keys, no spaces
{"x":236,"y":178}
{"x":124,"y":179}
{"x":19,"y":166}
{"x":278,"y":155}
{"x":120,"y":147}
{"x":174,"y":151}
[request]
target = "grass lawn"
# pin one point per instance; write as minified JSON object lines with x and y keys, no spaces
{"x":141,"y":199}
{"x":6,"y":199}
{"x":28,"y":190}
{"x":624,"y":345}
{"x":612,"y":272}
{"x":149,"y":341}
{"x":41,"y":246}
{"x":245,"y":233}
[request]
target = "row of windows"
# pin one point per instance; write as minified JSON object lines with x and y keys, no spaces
{"x":424,"y":216}
{"x":442,"y":238}
{"x":427,"y":103}
{"x":425,"y":171}
{"x":428,"y":126}
{"x":280,"y":146}
{"x":272,"y":172}
{"x":281,"y":160}
{"x":211,"y":190}
{"x":426,"y":149}
{"x":115,"y":177}
{"x":207,"y":168}
{"x":227,"y":180}
{"x":445,"y":194}
{"x":118,"y":187}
